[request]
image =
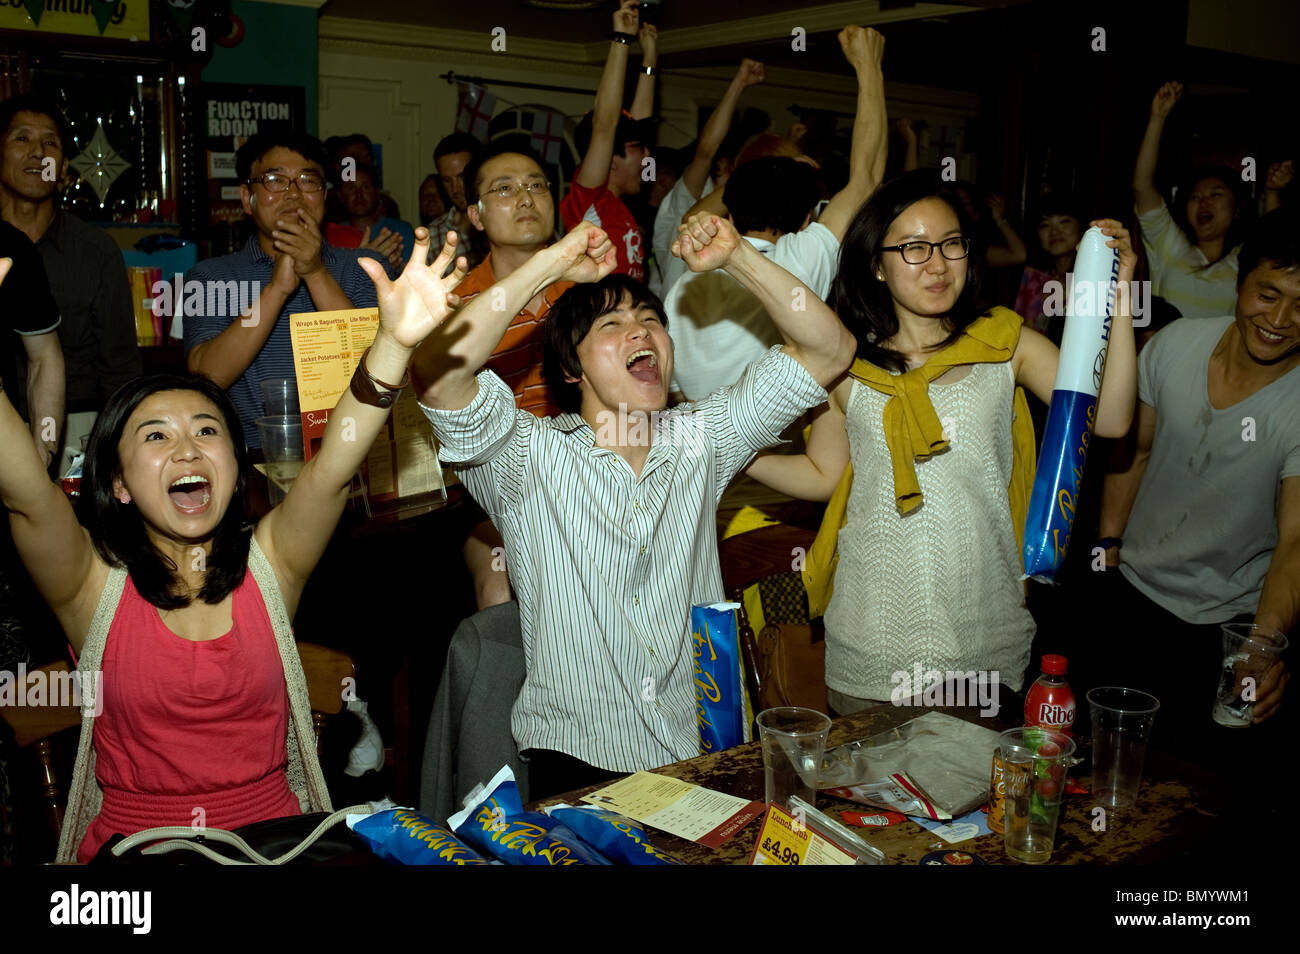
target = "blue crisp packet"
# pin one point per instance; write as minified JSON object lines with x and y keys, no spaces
{"x":495,"y":823}
{"x":615,"y":836}
{"x":721,"y":706}
{"x":405,"y":837}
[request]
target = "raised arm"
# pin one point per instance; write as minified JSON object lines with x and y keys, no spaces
{"x":643,"y":100}
{"x":864,"y":49}
{"x":715,"y":129}
{"x":1036,"y":358}
{"x":814,"y":474}
{"x":1145,"y":193}
{"x":1280,"y":175}
{"x":1013,"y":251}
{"x":445,"y":364}
{"x":812,"y":333}
{"x":46,"y":390}
{"x":594,"y":171}
{"x":911,"y":144}
{"x":55,"y":548}
{"x":295,"y":533}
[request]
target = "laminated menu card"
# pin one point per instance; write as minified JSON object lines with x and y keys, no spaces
{"x":402,"y":464}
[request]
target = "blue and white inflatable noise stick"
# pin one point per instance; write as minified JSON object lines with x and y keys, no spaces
{"x":1073,"y":411}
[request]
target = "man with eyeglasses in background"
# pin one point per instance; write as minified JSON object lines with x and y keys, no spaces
{"x":286,"y":268}
{"x":508,"y":200}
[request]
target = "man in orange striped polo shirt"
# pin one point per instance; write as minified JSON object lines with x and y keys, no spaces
{"x":509,"y":199}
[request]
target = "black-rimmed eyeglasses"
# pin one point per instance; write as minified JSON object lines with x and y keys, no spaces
{"x":275,"y":182}
{"x":918,"y":253}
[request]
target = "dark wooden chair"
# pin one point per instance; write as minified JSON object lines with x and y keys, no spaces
{"x":748,"y":558}
{"x":35,"y":726}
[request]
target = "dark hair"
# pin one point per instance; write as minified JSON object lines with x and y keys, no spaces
{"x":774,"y":192}
{"x":336,"y":144}
{"x":476,"y":164}
{"x":1274,"y":240}
{"x":569,"y":321}
{"x":1240,"y":197}
{"x":442,"y":193}
{"x":628,"y":130}
{"x":258,"y":145}
{"x":457,"y":142}
{"x":863,"y":302}
{"x":36,"y":103}
{"x":1053,"y":203}
{"x":117,"y":530}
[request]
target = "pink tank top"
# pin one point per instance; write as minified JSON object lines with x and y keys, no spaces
{"x":191,"y":732}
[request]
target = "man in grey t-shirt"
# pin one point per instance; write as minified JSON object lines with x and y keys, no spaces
{"x":1209,"y":511}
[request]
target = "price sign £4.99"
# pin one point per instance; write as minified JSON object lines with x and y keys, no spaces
{"x":784,"y":840}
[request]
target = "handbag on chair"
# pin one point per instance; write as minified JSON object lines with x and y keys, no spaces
{"x":315,"y":838}
{"x":792,"y":667}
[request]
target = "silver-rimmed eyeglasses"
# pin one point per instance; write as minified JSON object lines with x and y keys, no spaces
{"x":508,"y":190}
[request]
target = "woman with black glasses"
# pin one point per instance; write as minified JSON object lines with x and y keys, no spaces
{"x":933,"y":422}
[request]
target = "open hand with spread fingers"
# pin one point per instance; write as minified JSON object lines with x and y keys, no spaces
{"x":418,"y":301}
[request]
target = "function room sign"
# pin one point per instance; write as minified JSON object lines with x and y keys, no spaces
{"x":232,"y":113}
{"x":119,"y":19}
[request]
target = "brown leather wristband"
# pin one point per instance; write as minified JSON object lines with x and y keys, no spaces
{"x":368,"y":389}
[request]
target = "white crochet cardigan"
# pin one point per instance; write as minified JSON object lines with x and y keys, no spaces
{"x":305,"y":779}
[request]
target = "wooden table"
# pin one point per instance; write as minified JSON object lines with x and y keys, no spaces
{"x":1177,"y":803}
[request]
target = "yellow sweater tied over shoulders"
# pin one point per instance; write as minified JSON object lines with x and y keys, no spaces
{"x":914,"y":433}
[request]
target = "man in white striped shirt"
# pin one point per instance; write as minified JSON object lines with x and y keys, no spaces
{"x":608,"y":511}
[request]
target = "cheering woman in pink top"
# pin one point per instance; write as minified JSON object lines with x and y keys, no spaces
{"x":182,"y":606}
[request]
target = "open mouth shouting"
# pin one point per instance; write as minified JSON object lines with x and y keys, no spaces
{"x":644,"y":366}
{"x":190,"y":494}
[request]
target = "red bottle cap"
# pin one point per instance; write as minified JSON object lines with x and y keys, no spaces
{"x":1054,"y":665}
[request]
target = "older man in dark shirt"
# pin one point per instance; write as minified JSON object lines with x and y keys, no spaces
{"x":86,"y":273}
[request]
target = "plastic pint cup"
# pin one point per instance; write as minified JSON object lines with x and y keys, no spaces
{"x":282,"y":447}
{"x":1121,"y":728}
{"x":1248,"y":653}
{"x":794,"y":741}
{"x":280,"y":396}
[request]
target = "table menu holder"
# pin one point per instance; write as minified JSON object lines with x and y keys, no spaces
{"x":837,"y":834}
{"x":401,"y":472}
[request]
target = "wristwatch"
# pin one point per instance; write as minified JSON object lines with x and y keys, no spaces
{"x":370,"y":390}
{"x":1107,"y":542}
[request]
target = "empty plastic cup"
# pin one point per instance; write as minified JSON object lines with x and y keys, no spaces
{"x":282,"y":448}
{"x":1121,"y":728}
{"x":794,"y":741}
{"x":1248,"y":653}
{"x":280,"y":396}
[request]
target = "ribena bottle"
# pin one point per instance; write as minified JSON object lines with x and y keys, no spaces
{"x":1050,"y":700}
